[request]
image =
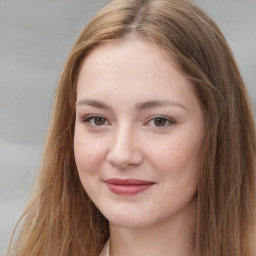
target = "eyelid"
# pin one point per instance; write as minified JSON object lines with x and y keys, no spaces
{"x":87,"y":118}
{"x":170,"y":121}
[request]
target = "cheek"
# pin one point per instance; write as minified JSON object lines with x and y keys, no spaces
{"x":180,"y":151}
{"x":177,"y":162}
{"x":88,"y":155}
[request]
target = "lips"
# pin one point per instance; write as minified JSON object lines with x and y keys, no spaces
{"x":128,"y":186}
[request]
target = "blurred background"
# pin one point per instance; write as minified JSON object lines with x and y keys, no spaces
{"x":35,"y":39}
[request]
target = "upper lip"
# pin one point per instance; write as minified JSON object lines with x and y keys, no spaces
{"x":128,"y":181}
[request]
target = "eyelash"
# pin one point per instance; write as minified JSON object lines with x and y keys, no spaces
{"x":169,"y":121}
{"x":87,"y":120}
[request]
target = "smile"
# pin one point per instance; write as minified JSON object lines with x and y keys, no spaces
{"x":128,"y":186}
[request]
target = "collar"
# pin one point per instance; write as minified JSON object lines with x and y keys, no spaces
{"x":105,"y":251}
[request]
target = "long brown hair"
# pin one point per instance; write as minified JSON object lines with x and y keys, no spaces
{"x":60,"y":219}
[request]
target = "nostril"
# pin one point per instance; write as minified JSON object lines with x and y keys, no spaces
{"x":125,"y":149}
{"x":124,"y":158}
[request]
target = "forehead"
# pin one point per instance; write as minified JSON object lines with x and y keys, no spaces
{"x":129,"y":62}
{"x":126,"y":74}
{"x":122,"y":45}
{"x":138,"y":50}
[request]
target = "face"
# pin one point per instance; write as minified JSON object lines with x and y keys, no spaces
{"x":138,"y":132}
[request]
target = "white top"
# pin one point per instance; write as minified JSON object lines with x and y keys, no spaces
{"x":105,"y":251}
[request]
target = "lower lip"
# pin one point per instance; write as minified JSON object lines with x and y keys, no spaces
{"x":128,"y":189}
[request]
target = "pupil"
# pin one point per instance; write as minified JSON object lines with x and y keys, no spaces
{"x":99,"y":121}
{"x":160,"y":121}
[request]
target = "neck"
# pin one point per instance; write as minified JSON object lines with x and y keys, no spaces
{"x":175,"y":237}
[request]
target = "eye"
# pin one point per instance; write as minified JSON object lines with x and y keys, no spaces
{"x":94,"y":120}
{"x":161,"y":121}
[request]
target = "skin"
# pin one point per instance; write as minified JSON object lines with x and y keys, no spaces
{"x":128,"y":141}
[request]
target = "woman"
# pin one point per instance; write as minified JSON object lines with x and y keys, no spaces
{"x":151,"y":148}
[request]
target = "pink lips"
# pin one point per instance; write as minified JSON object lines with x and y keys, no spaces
{"x":127,"y":186}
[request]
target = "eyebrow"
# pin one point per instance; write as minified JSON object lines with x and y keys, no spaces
{"x":93,"y":103}
{"x":138,"y":106}
{"x":159,"y":103}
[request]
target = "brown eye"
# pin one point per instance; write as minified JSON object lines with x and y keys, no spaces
{"x":99,"y":120}
{"x":95,"y":121}
{"x":160,"y":121}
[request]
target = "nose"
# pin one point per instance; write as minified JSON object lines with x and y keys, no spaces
{"x":124,"y":151}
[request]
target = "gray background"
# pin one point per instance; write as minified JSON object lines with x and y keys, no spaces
{"x":35,"y":38}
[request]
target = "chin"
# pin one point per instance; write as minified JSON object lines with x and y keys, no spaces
{"x":128,"y":222}
{"x":127,"y":219}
